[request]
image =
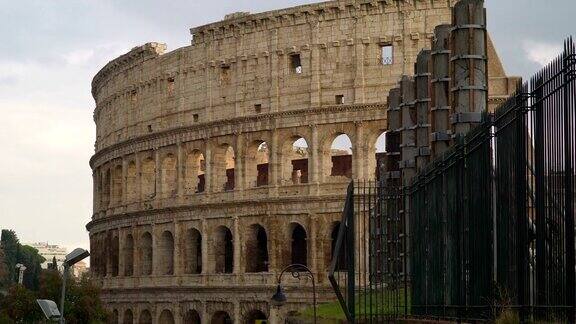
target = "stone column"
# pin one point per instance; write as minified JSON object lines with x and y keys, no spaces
{"x":177,"y":249}
{"x":121,"y":256}
{"x":154,"y":250}
{"x":204,"y":247}
{"x":312,"y":252}
{"x":275,"y":69}
{"x":209,"y":167}
{"x":469,"y":65}
{"x":440,"y":67}
{"x":314,"y":152}
{"x":180,"y":170}
{"x":95,"y":192}
{"x":237,"y":246}
{"x":237,"y":317}
{"x":315,"y":80}
{"x":158,"y":174}
{"x":275,"y":315}
{"x":138,"y":195}
{"x":422,"y":79}
{"x":408,"y":146}
{"x":358,"y":154}
{"x":240,"y":181}
{"x":124,"y":184}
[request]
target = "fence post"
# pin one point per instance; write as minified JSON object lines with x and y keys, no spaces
{"x":351,"y":260}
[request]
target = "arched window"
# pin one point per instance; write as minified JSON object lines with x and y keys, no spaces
{"x":294,"y":159}
{"x":114,"y":254}
{"x":145,"y":317}
{"x":223,"y":250}
{"x":254,"y":316}
{"x":148,"y":179}
{"x":117,"y":185}
{"x":105,"y":192}
{"x":299,"y":246}
{"x":168,"y":176}
{"x":128,"y":317}
{"x":224,"y":163}
{"x":340,"y":153}
{"x":166,"y":253}
{"x":257,"y":249}
{"x":114,"y":317}
{"x":166,"y":317}
{"x":131,"y":180}
{"x":192,"y":317}
{"x":195,"y":178}
{"x":380,"y":157}
{"x":146,"y":254}
{"x":257,"y":164}
{"x":221,"y":317}
{"x":341,"y":263}
{"x":128,"y":256}
{"x":193,"y":252}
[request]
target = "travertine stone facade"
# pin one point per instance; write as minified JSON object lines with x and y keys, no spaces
{"x":200,"y":196}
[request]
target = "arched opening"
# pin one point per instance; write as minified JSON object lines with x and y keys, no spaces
{"x":223,"y":250}
{"x":341,"y":263}
{"x":192,"y":317}
{"x":129,"y":256}
{"x":195,"y":173}
{"x":224,"y":163}
{"x":257,"y":164}
{"x":114,"y":255}
{"x":253,"y":316}
{"x":299,"y":246}
{"x":295,"y":156}
{"x":146,"y":254}
{"x":128,"y":317}
{"x":193,"y":252}
{"x":166,"y":317}
{"x":340,"y":162}
{"x":256,"y":249}
{"x":168,"y":176}
{"x":105,"y":192}
{"x":131,"y":179}
{"x":114,"y":317}
{"x":166,"y":253}
{"x":145,"y":317}
{"x":148,"y":179}
{"x":117,"y":185}
{"x":221,"y":317}
{"x":376,"y":165}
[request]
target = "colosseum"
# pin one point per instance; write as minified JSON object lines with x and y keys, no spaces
{"x":219,"y":163}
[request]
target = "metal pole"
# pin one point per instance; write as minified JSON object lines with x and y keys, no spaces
{"x":295,"y":270}
{"x":64,"y":275}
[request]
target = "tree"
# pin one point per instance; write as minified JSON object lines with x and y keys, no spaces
{"x":11,"y":245}
{"x":20,"y":305}
{"x":30,"y":258}
{"x":3,"y":267}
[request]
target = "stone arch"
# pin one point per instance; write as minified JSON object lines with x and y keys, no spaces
{"x":166,"y":317}
{"x":253,"y":316}
{"x":336,"y":156}
{"x":341,"y":264}
{"x":375,"y":154}
{"x":257,"y":162}
{"x":223,"y":172}
{"x":192,"y":317}
{"x":148,"y":178}
{"x":193,"y":252}
{"x":128,"y":253}
{"x":113,"y":317}
{"x":131,"y":181}
{"x":299,"y":244}
{"x":294,"y":159}
{"x":168,"y":179}
{"x":105,"y":189}
{"x":114,"y":254}
{"x":146,"y":254}
{"x":195,"y":172}
{"x":223,"y":250}
{"x":128,"y":317}
{"x":165,"y":256}
{"x":256,"y":254}
{"x":221,"y":317}
{"x":116,"y":185}
{"x":145,"y":317}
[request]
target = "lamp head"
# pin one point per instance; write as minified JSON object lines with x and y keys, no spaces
{"x":75,"y":256}
{"x":279,"y":298}
{"x":49,"y":309}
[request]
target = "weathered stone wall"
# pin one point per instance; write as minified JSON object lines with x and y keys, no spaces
{"x":191,"y":219}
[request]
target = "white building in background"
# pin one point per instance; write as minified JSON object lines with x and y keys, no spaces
{"x":49,"y":252}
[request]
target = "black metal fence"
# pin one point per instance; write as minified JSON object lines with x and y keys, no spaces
{"x":487,"y":229}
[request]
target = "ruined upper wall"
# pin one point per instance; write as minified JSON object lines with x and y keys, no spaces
{"x":242,"y":66}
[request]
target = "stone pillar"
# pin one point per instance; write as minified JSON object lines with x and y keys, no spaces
{"x":393,"y":137}
{"x":177,"y":249}
{"x":408,"y":146}
{"x":440,"y":67}
{"x":314,"y":152}
{"x":312,"y":252}
{"x":275,"y":315}
{"x":121,"y":256}
{"x":138,"y":194}
{"x":469,"y":65}
{"x":275,"y":69}
{"x":124,"y":184}
{"x":240,"y":181}
{"x":154,"y":250}
{"x":236,"y":315}
{"x":209,"y":167}
{"x":237,"y":246}
{"x":422,"y":79}
{"x":204,"y":246}
{"x":158,"y":174}
{"x":95,"y":192}
{"x":180,"y":178}
{"x":315,"y":80}
{"x":358,"y":154}
{"x":274,"y":163}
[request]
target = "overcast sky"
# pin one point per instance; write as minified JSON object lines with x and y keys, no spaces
{"x":50,"y":50}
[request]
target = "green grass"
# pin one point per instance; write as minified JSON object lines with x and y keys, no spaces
{"x":382,"y":303}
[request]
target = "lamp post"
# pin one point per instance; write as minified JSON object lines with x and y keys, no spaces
{"x":296,"y":270}
{"x":71,"y":259}
{"x":21,"y":268}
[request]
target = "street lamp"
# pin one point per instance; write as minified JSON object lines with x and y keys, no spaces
{"x":297,"y":270}
{"x":71,"y":259}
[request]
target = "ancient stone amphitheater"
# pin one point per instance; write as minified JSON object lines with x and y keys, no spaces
{"x":219,"y":163}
